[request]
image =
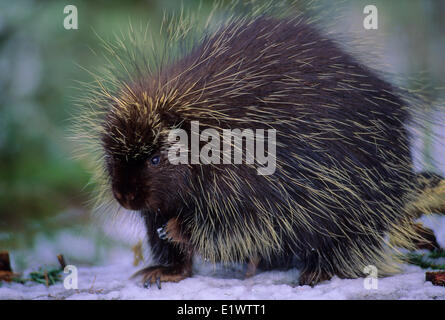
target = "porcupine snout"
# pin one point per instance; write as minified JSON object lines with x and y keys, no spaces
{"x":125,"y":199}
{"x":129,"y":199}
{"x":128,"y":190}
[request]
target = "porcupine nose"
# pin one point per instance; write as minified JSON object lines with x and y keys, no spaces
{"x":126,"y":200}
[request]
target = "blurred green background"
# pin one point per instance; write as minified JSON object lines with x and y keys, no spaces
{"x":42,"y":189}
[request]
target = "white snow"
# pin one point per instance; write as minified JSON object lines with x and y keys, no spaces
{"x":111,"y":281}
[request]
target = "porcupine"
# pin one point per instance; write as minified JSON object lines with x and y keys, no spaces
{"x":343,"y":175}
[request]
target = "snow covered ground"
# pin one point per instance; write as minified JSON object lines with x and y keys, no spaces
{"x":111,"y":281}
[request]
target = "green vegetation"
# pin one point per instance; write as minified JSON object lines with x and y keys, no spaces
{"x":426,"y":261}
{"x":46,"y":276}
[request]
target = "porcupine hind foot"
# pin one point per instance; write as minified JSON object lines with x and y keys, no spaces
{"x":313,"y":271}
{"x":312,"y":277}
{"x":335,"y":259}
{"x":252,"y":266}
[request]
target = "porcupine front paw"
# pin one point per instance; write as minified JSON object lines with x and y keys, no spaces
{"x":158,"y":274}
{"x":171,"y":232}
{"x":162,"y":233}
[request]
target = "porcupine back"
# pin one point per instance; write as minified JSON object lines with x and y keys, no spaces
{"x":343,"y":161}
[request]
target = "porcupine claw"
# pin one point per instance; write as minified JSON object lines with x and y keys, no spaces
{"x":162,"y":233}
{"x":158,"y":274}
{"x":148,"y":282}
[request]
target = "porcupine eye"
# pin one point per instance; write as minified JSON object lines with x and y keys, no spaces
{"x":155,"y":160}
